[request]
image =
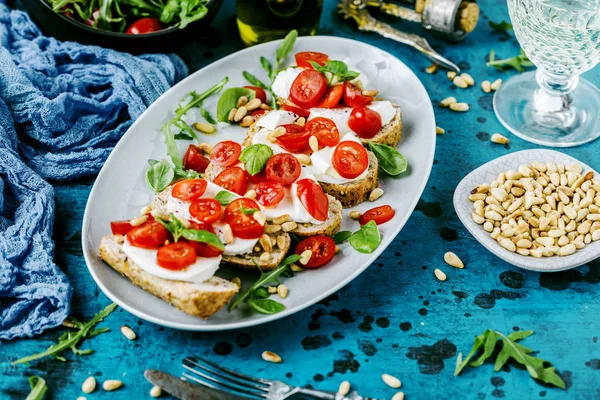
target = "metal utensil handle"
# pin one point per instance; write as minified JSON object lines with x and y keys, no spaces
{"x":401,"y":12}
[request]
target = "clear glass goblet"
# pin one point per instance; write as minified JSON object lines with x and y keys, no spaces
{"x":552,"y":106}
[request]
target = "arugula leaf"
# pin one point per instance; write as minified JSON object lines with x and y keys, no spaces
{"x":266,"y":306}
{"x":183,"y":136}
{"x":254,"y":80}
{"x":519,"y":62}
{"x":286,"y":47}
{"x":261,"y":293}
{"x":248,"y":211}
{"x":510,"y":349}
{"x":341,"y":237}
{"x":224,"y":197}
{"x":366,"y":239}
{"x":390,"y":160}
{"x":501,"y":26}
{"x":206,"y":115}
{"x":229,"y":99}
{"x":38,"y":388}
{"x":335,"y":71}
{"x":267,"y":67}
{"x":70,"y":339}
{"x":255,"y":157}
{"x":159,"y":175}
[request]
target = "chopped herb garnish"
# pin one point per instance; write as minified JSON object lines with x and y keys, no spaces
{"x":519,"y":62}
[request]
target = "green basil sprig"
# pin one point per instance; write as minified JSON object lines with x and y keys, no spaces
{"x":335,"y":71}
{"x":366,"y":239}
{"x":255,"y":157}
{"x":266,"y":306}
{"x":225,"y":197}
{"x":159,"y":175}
{"x":229,"y":99}
{"x":341,"y":237}
{"x":519,"y":62}
{"x":178,"y":230}
{"x":390,"y":160}
{"x":248,"y":211}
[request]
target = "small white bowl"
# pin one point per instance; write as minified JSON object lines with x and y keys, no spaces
{"x":488,"y":173}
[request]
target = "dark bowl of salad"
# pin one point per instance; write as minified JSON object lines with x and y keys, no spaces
{"x":134,"y":26}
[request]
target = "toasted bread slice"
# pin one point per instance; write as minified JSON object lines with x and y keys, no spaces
{"x":198,"y":299}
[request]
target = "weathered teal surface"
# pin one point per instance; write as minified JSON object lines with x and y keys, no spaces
{"x":396,"y":317}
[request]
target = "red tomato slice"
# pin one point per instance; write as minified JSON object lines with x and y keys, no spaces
{"x":283,"y":168}
{"x":303,"y":58}
{"x":144,"y":25}
{"x":296,"y":110}
{"x":149,"y":235}
{"x":269,"y":193}
{"x":195,"y":159}
{"x":206,"y":210}
{"x":189,"y":189}
{"x":322,"y":247}
{"x":353,"y":96}
{"x":120,"y":227}
{"x":226,"y":154}
{"x":380,"y":215}
{"x":243,"y":225}
{"x":176,"y":256}
{"x":295,"y":138}
{"x":259,"y":92}
{"x":258,"y":178}
{"x":233,"y":179}
{"x":364,"y":122}
{"x":256,"y":114}
{"x":332,"y":97}
{"x":324,"y":130}
{"x":308,"y":88}
{"x":313,"y":198}
{"x":203,"y":249}
{"x":350,"y":159}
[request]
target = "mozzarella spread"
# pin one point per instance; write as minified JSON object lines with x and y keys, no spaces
{"x":275,"y":118}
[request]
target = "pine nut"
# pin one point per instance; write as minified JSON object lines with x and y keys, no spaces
{"x":447,"y":101}
{"x":237,"y":281}
{"x":139,"y":220}
{"x":486,"y":86}
{"x":227,"y":233}
{"x":567,"y":250}
{"x":282,"y":291}
{"x":507,"y":244}
{"x":375,"y":194}
{"x":355,"y":215}
{"x":242,"y":101}
{"x":460,"y":82}
{"x":111,"y":384}
{"x":281,"y":219}
{"x":439,"y":274}
{"x":265,"y":242}
{"x":272,"y":289}
{"x":231,"y":115}
{"x":81,"y":398}
{"x":279,"y":131}
{"x":500,"y":139}
{"x":247,"y":121}
{"x":260,"y":217}
{"x":358,"y":83}
{"x":468,"y":79}
{"x":156,"y":391}
{"x":266,"y":256}
{"x":459,"y":107}
{"x":439,"y":131}
{"x":451,"y":75}
{"x":89,"y":385}
{"x":452,"y":259}
{"x":204,"y":127}
{"x":398,"y":396}
{"x":496,"y":84}
{"x":344,"y":388}
{"x":304,"y":159}
{"x":305,"y":257}
{"x":370,"y":93}
{"x":253,"y":104}
{"x":313,"y":143}
{"x":289,"y":226}
{"x":120,"y":239}
{"x":240,"y":113}
{"x":128,"y":333}
{"x":281,"y":242}
{"x":272,"y":228}
{"x":271,"y":357}
{"x":250,"y":194}
{"x":301,"y":121}
{"x":431,"y":69}
{"x":596,"y":235}
{"x":264,"y":106}
{"x":205,"y":147}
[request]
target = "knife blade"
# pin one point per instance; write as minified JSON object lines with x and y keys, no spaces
{"x":184,"y":389}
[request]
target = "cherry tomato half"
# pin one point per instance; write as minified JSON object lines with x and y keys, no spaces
{"x":195,"y":159}
{"x":295,"y":138}
{"x":296,"y":110}
{"x":353,"y":96}
{"x":322,"y":247}
{"x":308,"y":88}
{"x":380,"y":215}
{"x":226,"y":154}
{"x":324,"y":130}
{"x":206,"y":210}
{"x":256,"y":114}
{"x":120,"y":227}
{"x":176,"y":256}
{"x":144,"y":25}
{"x":233,"y":179}
{"x":242,"y":223}
{"x":149,"y":235}
{"x":364,"y":122}
{"x":269,"y":193}
{"x":332,"y":97}
{"x":313,"y":198}
{"x":350,"y":159}
{"x":283,"y":168}
{"x":257,"y":178}
{"x":303,"y":58}
{"x":189,"y":189}
{"x":259,"y":92}
{"x":203,"y":249}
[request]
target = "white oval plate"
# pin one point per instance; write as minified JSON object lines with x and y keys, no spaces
{"x":488,"y":173}
{"x":120,"y":190}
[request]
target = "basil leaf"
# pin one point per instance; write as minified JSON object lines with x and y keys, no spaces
{"x":261,"y":293}
{"x":255,"y":157}
{"x":266,"y":306}
{"x":159,"y":175}
{"x":286,"y":46}
{"x":341,"y":236}
{"x":335,"y":71}
{"x":224,"y":197}
{"x":248,"y":211}
{"x":229,"y":99}
{"x":254,"y":80}
{"x":366,"y":239}
{"x":390,"y":160}
{"x":198,"y":235}
{"x":174,"y":226}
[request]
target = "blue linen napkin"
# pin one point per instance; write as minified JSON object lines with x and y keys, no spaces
{"x":70,"y":104}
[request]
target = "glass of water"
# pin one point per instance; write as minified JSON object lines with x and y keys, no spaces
{"x":552,"y":106}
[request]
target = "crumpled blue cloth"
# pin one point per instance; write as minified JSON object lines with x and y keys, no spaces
{"x":70,"y":104}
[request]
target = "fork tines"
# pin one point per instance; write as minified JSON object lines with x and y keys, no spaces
{"x":214,"y":376}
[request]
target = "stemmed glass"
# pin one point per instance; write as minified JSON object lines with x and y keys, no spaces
{"x":552,"y":106}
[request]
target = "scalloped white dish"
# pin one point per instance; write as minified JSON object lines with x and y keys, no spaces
{"x":488,"y":173}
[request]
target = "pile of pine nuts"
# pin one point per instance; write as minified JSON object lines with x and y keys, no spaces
{"x":540,"y":210}
{"x":241,"y":112}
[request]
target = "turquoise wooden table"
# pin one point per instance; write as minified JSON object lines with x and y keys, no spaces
{"x":396,"y":317}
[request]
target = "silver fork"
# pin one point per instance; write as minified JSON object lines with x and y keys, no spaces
{"x":214,"y":376}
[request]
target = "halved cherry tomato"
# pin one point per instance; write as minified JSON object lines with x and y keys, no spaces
{"x":364,"y":122}
{"x":257,"y":178}
{"x":296,"y":110}
{"x":353,"y":96}
{"x":303,"y":58}
{"x":332,"y":97}
{"x":256,"y":114}
{"x":176,"y":256}
{"x":144,"y":25}
{"x":233,"y":179}
{"x":149,"y":235}
{"x":283,"y":168}
{"x":324,"y":130}
{"x":242,"y":223}
{"x":313,"y":198}
{"x":189,"y":189}
{"x":120,"y":227}
{"x":226,"y":154}
{"x":269,"y":193}
{"x":380,"y":215}
{"x":203,"y":249}
{"x":322,"y":247}
{"x":195,"y":159}
{"x":350,"y":159}
{"x":206,"y":210}
{"x":308,"y":88}
{"x":259,"y":92}
{"x":295,"y":138}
